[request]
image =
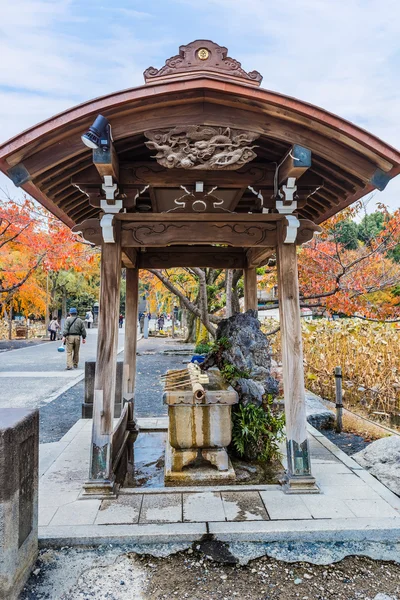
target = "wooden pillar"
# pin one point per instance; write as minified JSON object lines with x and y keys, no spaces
{"x":131,"y":318}
{"x":250,"y":289}
{"x":299,"y":478}
{"x":101,"y":477}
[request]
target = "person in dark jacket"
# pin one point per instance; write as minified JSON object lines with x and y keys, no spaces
{"x":74,"y":330}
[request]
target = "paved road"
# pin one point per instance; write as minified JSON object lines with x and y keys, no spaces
{"x":33,"y":376}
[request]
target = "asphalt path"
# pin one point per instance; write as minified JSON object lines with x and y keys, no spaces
{"x":33,"y":376}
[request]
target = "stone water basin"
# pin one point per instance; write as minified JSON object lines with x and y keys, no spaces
{"x":204,"y":423}
{"x":200,"y":427}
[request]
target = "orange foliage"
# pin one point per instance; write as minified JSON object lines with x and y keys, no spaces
{"x":353,"y":282}
{"x":33,"y":243}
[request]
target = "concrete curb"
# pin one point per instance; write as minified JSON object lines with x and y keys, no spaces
{"x":96,"y":535}
{"x":297,"y":532}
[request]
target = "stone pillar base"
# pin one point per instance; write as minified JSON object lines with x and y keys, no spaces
{"x":300,"y":484}
{"x":99,"y":489}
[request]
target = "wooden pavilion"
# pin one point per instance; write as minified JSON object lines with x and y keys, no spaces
{"x":201,"y":167}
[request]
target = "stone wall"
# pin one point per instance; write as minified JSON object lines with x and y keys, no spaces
{"x":19,"y":456}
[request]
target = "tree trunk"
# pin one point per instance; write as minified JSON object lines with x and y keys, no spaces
{"x":191,"y":328}
{"x":64,"y":303}
{"x":228,"y":289}
{"x":235,"y":301}
{"x":199,"y":308}
{"x":10,"y":320}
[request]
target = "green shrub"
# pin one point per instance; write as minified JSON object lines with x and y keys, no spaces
{"x":256,"y":432}
{"x":202,"y":348}
{"x":230,"y":373}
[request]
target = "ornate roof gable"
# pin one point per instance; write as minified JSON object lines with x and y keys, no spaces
{"x":202,"y":56}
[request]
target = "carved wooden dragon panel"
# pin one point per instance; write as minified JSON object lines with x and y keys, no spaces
{"x":202,"y":147}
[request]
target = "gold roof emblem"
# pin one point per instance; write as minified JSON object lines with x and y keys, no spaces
{"x":203,"y":53}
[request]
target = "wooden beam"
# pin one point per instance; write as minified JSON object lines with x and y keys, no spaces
{"x":160,"y":233}
{"x":198,"y":217}
{"x":131,"y":319}
{"x":64,"y":175}
{"x":101,"y":477}
{"x":250,"y":289}
{"x":298,"y":451}
{"x":191,"y":256}
{"x":106,"y":162}
{"x":257,"y":257}
{"x":151,"y":173}
{"x":129,"y":258}
{"x":295,"y":163}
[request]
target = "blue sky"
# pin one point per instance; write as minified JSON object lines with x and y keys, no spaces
{"x":342,"y":55}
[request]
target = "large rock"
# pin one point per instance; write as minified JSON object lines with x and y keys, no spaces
{"x":318,"y":415}
{"x":382,"y":459}
{"x":249,"y":352}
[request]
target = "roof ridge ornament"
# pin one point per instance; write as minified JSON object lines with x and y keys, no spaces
{"x":202,"y":56}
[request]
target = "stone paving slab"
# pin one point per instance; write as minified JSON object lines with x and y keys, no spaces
{"x":161,"y":509}
{"x":79,"y":513}
{"x":243,"y":506}
{"x":283,"y":507}
{"x":323,"y":507}
{"x":352,"y":504}
{"x":203,"y":507}
{"x":126,"y":510}
{"x":72,"y":535}
{"x":321,"y":530}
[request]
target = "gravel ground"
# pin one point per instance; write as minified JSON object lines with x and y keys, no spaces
{"x":57,"y":417}
{"x":350,"y":443}
{"x":112,"y":573}
{"x":151,"y":363}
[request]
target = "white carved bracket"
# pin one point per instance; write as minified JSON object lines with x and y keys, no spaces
{"x":287,"y":207}
{"x":107,"y":228}
{"x":110,"y":206}
{"x":291,"y":231}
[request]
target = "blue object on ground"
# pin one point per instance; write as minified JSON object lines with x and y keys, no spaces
{"x":199,"y":358}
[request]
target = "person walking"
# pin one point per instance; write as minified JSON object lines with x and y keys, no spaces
{"x":74,"y":329}
{"x":53,"y":327}
{"x":89,"y":319}
{"x":160,"y":323}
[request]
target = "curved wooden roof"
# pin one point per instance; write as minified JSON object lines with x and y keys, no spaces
{"x":49,"y":160}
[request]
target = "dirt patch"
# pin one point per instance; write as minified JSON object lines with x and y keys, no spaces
{"x":194,"y":576}
{"x":111,"y":573}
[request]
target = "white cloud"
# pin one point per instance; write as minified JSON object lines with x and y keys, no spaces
{"x":342,"y":55}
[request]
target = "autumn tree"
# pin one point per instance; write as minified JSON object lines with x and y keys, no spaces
{"x":343,"y":270}
{"x":201,"y":292}
{"x":38,"y":254}
{"x":351,"y":279}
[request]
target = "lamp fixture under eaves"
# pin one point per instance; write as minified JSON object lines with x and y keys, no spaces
{"x":98,"y":135}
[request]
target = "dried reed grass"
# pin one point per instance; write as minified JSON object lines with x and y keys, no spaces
{"x":369,"y":354}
